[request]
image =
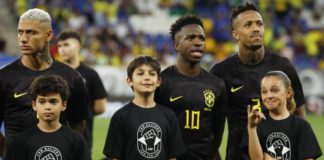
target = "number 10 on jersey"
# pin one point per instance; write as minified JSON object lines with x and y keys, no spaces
{"x":192,"y":119}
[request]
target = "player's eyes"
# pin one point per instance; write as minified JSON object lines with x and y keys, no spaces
{"x":140,"y":73}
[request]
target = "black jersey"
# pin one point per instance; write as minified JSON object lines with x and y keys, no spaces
{"x":288,"y":139}
{"x":199,"y":105}
{"x":16,"y":103}
{"x":34,"y":144}
{"x":137,"y":133}
{"x":243,"y":89}
{"x":96,"y":91}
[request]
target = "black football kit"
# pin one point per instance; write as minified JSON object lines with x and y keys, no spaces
{"x":15,"y":99}
{"x":243,"y":88}
{"x":199,"y":105}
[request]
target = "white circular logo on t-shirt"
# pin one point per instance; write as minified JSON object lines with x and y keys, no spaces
{"x":278,"y":146}
{"x":149,"y":136}
{"x":48,"y":153}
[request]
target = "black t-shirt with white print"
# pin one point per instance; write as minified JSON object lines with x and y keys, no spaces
{"x":34,"y":144}
{"x":137,"y":133}
{"x":288,"y":139}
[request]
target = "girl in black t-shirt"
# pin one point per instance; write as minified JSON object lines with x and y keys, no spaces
{"x":279,"y":134}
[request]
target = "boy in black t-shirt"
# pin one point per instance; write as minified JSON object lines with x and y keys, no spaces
{"x":281,"y":135}
{"x":143,"y":129}
{"x":49,"y":139}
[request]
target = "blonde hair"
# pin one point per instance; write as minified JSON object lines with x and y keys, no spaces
{"x":291,"y":104}
{"x":37,"y":15}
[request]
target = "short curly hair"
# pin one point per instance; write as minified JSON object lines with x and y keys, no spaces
{"x":183,"y":21}
{"x":242,"y":8}
{"x":48,"y":84}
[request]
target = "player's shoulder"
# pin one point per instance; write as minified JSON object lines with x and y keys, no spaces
{"x":13,"y":66}
{"x":212,"y":78}
{"x":300,"y":121}
{"x":169,"y":71}
{"x":124,"y":110}
{"x":87,"y":68}
{"x":275,"y":58}
{"x":65,"y":71}
{"x":226,"y":64}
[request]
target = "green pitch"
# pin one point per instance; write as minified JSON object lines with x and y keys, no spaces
{"x":101,"y":128}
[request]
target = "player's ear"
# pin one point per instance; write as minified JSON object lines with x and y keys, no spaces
{"x":289,"y":92}
{"x":49,"y":35}
{"x":64,"y":103}
{"x":34,"y":105}
{"x":159,"y":81}
{"x":129,"y":82}
{"x":176,"y":45}
{"x":235,"y":35}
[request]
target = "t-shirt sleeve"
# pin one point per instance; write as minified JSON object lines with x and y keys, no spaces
{"x":114,"y":142}
{"x":295,"y":83}
{"x":175,"y":142}
{"x":307,"y":144}
{"x":78,"y":102}
{"x":98,"y":90}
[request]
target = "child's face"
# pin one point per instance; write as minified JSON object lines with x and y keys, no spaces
{"x":49,"y":107}
{"x":273,"y":93}
{"x":144,"y":79}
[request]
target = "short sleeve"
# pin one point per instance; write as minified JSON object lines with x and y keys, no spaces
{"x":78,"y":102}
{"x":307,"y":144}
{"x":114,"y":142}
{"x":98,"y":90}
{"x":175,"y":142}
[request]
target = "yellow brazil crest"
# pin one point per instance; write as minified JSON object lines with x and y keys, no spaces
{"x":209,"y":98}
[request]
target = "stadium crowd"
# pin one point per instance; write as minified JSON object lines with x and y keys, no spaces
{"x":294,"y":28}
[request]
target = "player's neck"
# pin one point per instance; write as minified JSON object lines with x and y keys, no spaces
{"x":188,"y":69}
{"x":49,"y":126}
{"x":144,"y":101}
{"x":37,"y":62}
{"x":74,"y":63}
{"x":279,"y":114}
{"x":251,"y":57}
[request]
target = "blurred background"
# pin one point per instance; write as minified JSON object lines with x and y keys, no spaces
{"x":114,"y":31}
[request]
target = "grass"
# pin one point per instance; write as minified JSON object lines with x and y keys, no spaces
{"x":101,"y":128}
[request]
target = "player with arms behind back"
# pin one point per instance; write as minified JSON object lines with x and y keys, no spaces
{"x":197,"y":97}
{"x":242,"y":72}
{"x":34,"y":34}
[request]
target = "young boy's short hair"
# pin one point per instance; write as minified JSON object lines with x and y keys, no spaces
{"x":48,"y":84}
{"x":140,"y":60}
